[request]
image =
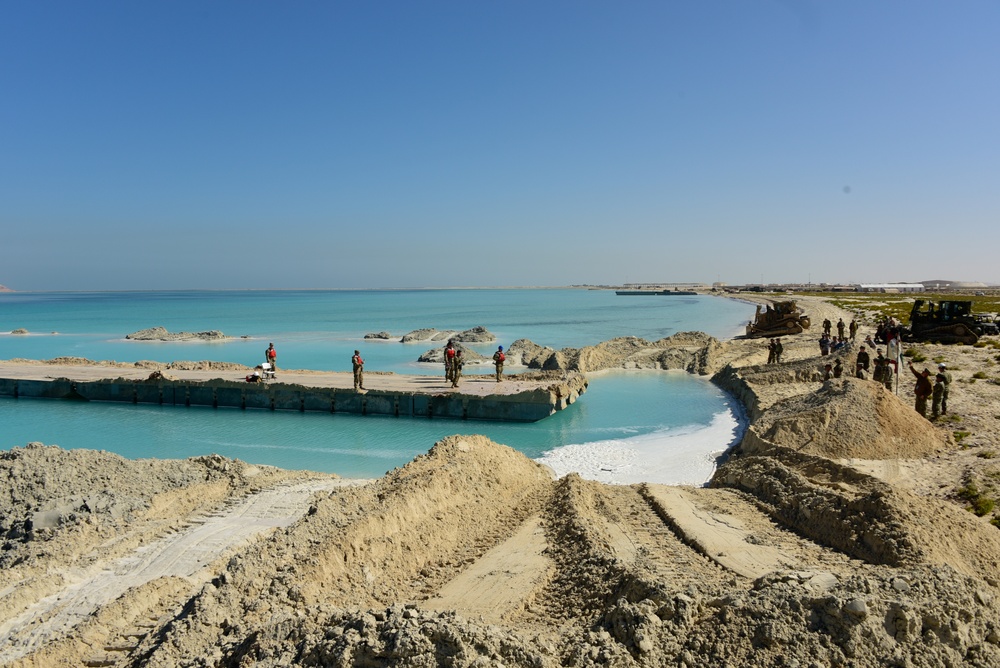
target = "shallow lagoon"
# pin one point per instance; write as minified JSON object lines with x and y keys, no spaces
{"x":629,"y":426}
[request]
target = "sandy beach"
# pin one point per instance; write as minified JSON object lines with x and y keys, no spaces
{"x":837,"y":533}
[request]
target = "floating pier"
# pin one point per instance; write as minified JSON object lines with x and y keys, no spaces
{"x":522,"y":398}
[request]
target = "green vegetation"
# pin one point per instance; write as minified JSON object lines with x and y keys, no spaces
{"x":979,"y":374}
{"x":915,"y":355}
{"x":960,"y":435}
{"x":986,"y":454}
{"x":980,"y":504}
{"x":879,"y":306}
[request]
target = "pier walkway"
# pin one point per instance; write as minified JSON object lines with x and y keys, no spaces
{"x":521,"y":398}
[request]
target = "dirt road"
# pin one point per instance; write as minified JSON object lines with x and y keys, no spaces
{"x":185,"y":554}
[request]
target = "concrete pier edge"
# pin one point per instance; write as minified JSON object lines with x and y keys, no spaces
{"x":528,"y":406}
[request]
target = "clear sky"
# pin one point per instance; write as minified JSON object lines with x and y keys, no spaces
{"x":419,"y":143}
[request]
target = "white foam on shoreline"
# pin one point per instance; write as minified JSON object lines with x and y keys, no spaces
{"x":678,"y":456}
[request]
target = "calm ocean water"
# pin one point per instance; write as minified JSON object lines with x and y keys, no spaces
{"x":657,"y":426}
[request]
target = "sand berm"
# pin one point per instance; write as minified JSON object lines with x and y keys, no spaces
{"x":830,"y":537}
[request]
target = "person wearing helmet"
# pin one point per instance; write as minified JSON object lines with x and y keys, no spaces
{"x":498,"y":360}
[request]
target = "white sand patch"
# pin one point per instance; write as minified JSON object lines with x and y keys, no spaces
{"x":679,"y":456}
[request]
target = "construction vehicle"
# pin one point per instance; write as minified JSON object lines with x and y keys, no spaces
{"x":778,"y":319}
{"x":944,"y":322}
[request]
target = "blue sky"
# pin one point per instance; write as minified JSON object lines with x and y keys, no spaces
{"x":408,"y":144}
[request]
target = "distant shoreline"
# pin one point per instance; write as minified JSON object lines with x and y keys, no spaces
{"x":420,"y":289}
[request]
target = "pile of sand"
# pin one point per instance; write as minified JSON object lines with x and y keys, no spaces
{"x":472,"y":555}
{"x":47,"y":488}
{"x":850,"y":418}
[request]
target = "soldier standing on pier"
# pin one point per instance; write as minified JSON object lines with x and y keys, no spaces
{"x":449,"y":356}
{"x":498,"y":360}
{"x":359,"y":371}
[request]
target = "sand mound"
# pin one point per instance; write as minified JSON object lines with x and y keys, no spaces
{"x":471,"y":555}
{"x":862,"y":516}
{"x":925,"y":617}
{"x":848,"y":418}
{"x":396,"y":539}
{"x":48,"y":489}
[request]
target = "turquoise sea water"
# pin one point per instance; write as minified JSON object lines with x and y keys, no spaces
{"x":660,"y":426}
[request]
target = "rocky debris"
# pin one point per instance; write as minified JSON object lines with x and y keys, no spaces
{"x":383,"y":335}
{"x":202,"y":365}
{"x":20,"y":331}
{"x":400,"y":635}
{"x":525,"y":352}
{"x":161,"y":334}
{"x":474,"y":335}
{"x":470,"y":356}
{"x":921,"y":617}
{"x":693,"y":352}
{"x":689,"y":351}
{"x":206,"y":365}
{"x":431,"y":334}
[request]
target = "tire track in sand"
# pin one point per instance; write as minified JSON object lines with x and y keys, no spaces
{"x":183,"y":554}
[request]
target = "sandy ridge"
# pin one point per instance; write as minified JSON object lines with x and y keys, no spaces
{"x":183,"y":554}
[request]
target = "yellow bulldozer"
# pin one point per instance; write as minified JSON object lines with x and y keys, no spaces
{"x":778,"y":319}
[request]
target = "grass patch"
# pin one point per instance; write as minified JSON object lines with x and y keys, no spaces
{"x":915,"y":355}
{"x":878,"y":306}
{"x":979,"y":374}
{"x":986,"y":454}
{"x":961,"y":435}
{"x":983,"y":506}
{"x":980,"y":504}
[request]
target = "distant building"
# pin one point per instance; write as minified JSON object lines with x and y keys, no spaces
{"x":890,"y":287}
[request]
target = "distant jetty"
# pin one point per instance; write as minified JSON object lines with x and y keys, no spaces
{"x":630,"y":293}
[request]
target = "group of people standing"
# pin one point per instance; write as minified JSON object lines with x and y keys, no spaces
{"x":938,"y":392}
{"x":453,"y":363}
{"x":841,"y":327}
{"x":886,"y":369}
